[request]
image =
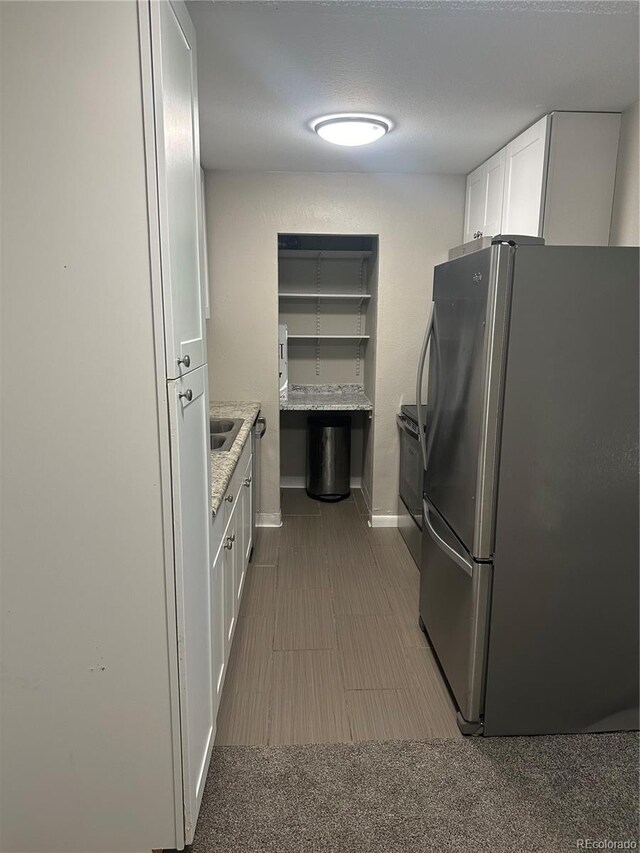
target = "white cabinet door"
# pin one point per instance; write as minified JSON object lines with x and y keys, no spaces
{"x":179,"y":190}
{"x":247,"y":514}
{"x":524,"y":183}
{"x":218,"y":659}
{"x":189,"y":417}
{"x":230,"y":549}
{"x":238,"y":552}
{"x":494,"y":168}
{"x":204,"y":256}
{"x":475,"y":203}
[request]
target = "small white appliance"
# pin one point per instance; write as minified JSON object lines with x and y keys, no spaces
{"x":283,"y":362}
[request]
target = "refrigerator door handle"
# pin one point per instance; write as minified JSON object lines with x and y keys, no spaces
{"x":458,"y":558}
{"x":421,"y":361}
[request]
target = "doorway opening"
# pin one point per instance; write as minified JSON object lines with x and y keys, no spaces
{"x":327,"y":298}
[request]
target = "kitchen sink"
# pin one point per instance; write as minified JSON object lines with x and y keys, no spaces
{"x":220,"y":425}
{"x":223,"y":432}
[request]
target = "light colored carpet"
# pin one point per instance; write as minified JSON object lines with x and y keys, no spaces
{"x":500,"y":795}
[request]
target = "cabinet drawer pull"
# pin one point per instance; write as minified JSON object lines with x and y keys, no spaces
{"x":186,"y":360}
{"x":188,"y":395}
{"x":233,"y":537}
{"x":229,"y":498}
{"x":229,"y":543}
{"x":247,"y":481}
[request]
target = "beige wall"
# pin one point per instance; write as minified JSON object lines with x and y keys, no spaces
{"x":418,"y":218}
{"x":625,"y":228}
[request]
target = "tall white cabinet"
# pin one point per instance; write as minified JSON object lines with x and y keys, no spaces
{"x":172,"y":127}
{"x":555,"y":180}
{"x":111,"y":643}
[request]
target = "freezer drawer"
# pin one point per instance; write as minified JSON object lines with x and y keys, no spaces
{"x":454,"y":607}
{"x":409,"y":531}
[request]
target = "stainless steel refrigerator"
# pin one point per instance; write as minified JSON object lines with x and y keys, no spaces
{"x":529,"y":576}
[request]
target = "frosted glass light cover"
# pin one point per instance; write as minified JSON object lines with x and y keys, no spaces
{"x":350,"y":129}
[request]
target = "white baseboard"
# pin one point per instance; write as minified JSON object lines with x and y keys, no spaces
{"x":301,"y":482}
{"x":366,"y":496}
{"x":384,"y":520}
{"x":268,"y":519}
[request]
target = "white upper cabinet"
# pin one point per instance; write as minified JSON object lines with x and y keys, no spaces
{"x":555,"y":180}
{"x":524,"y":181}
{"x":179,"y":184}
{"x":475,"y":203}
{"x":483,"y":205}
{"x":581,"y":173}
{"x":494,"y":169}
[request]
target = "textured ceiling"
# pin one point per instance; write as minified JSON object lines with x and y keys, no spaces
{"x":458,"y":78}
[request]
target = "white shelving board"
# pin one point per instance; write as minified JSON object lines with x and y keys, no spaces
{"x":325,"y":254}
{"x":307,"y":295}
{"x":328,"y":337}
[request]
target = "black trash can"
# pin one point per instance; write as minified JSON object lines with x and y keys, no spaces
{"x":328,"y":457}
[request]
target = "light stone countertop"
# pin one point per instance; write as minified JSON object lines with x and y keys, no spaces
{"x":327,"y":398}
{"x":223,"y":464}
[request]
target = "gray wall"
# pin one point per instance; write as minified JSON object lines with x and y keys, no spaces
{"x":625,"y":229}
{"x":417,"y":217}
{"x":86,"y":754}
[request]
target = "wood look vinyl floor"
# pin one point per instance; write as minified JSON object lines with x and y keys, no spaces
{"x":327,"y":648}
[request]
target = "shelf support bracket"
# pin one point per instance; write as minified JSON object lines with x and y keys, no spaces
{"x":318,"y":275}
{"x":359,"y":325}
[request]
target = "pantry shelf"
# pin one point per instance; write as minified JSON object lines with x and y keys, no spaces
{"x":316,"y":296}
{"x":328,"y":337}
{"x":325,"y":254}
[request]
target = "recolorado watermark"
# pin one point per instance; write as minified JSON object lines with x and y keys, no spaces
{"x":606,"y":844}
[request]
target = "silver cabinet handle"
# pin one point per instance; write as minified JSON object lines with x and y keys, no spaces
{"x":229,"y":498}
{"x":188,"y":395}
{"x":233,"y":537}
{"x":247,"y":481}
{"x":186,"y":360}
{"x":229,"y":543}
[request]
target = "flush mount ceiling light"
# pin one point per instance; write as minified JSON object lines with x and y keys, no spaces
{"x":351,"y":128}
